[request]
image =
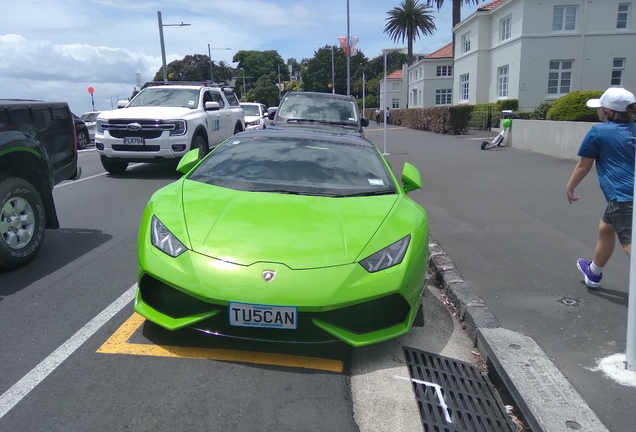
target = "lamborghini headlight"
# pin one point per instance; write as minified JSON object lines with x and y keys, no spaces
{"x":388,"y":257}
{"x":164,"y":240}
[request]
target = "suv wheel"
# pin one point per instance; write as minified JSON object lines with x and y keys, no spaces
{"x":114,"y":166}
{"x":82,"y":140}
{"x":200,"y":143}
{"x":22,"y":222}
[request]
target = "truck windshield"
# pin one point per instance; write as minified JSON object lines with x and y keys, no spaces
{"x":166,"y":97}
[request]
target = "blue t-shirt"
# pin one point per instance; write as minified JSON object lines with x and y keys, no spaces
{"x":612,"y":146}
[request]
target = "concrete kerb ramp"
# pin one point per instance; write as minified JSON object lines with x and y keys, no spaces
{"x":545,"y":398}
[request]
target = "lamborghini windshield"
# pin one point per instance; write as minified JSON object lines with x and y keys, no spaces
{"x":293,"y":165}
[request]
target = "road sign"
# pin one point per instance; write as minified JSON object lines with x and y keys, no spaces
{"x":91,"y":90}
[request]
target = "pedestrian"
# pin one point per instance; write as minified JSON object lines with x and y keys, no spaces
{"x":611,"y":145}
{"x":388,"y":115}
{"x":377,"y":116}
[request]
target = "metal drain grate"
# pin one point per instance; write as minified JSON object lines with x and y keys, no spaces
{"x":454,"y":396}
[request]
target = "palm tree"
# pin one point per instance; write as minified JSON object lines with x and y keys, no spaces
{"x":457,"y":7}
{"x":407,"y":21}
{"x":223,"y":71}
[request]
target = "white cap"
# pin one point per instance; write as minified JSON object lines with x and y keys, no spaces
{"x":614,"y":98}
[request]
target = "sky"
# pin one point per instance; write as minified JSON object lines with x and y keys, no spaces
{"x":54,"y":50}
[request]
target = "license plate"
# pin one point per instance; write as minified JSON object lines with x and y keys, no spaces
{"x":263,"y":316}
{"x":134,"y":141}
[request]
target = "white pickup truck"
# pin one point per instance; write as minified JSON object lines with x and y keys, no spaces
{"x":163,"y":122}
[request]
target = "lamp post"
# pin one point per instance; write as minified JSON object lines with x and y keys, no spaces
{"x":348,"y":54}
{"x":163,"y":48}
{"x":211,"y":63}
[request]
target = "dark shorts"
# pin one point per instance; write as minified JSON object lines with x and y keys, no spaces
{"x":619,"y":214}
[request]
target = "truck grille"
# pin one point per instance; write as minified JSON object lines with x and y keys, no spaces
{"x":148,"y":129}
{"x":136,"y":148}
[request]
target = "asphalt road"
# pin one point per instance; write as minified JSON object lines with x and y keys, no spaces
{"x":75,"y":358}
{"x":503,"y":218}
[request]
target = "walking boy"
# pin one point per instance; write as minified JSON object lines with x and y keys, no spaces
{"x":611,"y":145}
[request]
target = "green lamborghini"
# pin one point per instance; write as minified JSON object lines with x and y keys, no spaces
{"x":289,"y":236}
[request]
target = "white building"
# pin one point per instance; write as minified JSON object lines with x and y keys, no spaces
{"x":537,"y":51}
{"x":430,"y":80}
{"x":395,"y":90}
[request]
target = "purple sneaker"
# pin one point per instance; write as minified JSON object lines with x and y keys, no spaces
{"x":591,"y":280}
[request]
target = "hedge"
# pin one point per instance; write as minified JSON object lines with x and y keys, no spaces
{"x":571,"y":107}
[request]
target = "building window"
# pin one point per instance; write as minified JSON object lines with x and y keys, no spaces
{"x":617,"y":71}
{"x":395,"y":86}
{"x":443,"y":97}
{"x":416,"y":75}
{"x":414,"y":97}
{"x":564,"y":18}
{"x":445,"y":71}
{"x":421,"y":98}
{"x":502,"y":81}
{"x":395,"y":103}
{"x":466,"y":43}
{"x":623,"y":15}
{"x":463,"y":83}
{"x":504,"y":28}
{"x":559,"y":77}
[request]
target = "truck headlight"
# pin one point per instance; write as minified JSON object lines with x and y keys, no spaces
{"x":99,"y":126}
{"x":180,"y":127}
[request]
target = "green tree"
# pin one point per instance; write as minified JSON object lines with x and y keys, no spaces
{"x":191,"y":68}
{"x":317,"y":75}
{"x":223,"y":71}
{"x":407,"y":21}
{"x":260,"y":69}
{"x":296,"y":86}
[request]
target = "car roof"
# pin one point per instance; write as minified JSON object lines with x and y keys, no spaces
{"x":347,"y":139}
{"x":321,"y":94}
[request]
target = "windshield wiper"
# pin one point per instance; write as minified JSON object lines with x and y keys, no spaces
{"x":372,"y":193}
{"x":288,"y":192}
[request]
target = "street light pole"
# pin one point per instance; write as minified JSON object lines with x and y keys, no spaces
{"x":163,"y":48}
{"x":211,"y":63}
{"x":348,"y":54}
{"x":333,"y":74}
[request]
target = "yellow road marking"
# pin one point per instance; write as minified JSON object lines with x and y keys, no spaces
{"x":118,"y":344}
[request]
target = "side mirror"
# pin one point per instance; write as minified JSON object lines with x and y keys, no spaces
{"x":411,"y":178}
{"x":271,"y":112}
{"x":122,"y":103}
{"x":189,"y":160}
{"x":364,"y":122}
{"x":212,"y":106}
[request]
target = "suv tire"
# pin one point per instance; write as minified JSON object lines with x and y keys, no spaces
{"x":82,"y":140}
{"x":114,"y":166}
{"x":22,"y":222}
{"x":200,"y":142}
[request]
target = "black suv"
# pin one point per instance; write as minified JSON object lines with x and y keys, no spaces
{"x":321,"y":112}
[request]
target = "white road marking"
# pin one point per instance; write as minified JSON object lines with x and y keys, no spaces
{"x":20,"y":389}
{"x":88,"y":178}
{"x":438,"y":392}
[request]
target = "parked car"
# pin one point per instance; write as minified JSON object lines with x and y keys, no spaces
{"x":83,"y":135}
{"x":256,"y":116}
{"x":37,"y":151}
{"x":285,"y":235}
{"x":326,"y":112}
{"x":90,"y":118}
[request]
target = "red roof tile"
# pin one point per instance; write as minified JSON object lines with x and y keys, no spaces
{"x":395,"y":75}
{"x":490,"y":6}
{"x":444,"y":52}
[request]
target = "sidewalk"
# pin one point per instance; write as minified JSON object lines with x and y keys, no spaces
{"x":505,"y":228}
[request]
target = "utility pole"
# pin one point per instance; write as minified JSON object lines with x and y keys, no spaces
{"x":333,"y":73}
{"x":348,"y":54}
{"x":279,"y":92}
{"x":363,"y":88}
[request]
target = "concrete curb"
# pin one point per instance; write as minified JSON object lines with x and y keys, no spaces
{"x":545,"y":398}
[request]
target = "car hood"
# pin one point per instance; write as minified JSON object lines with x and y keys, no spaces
{"x":149,"y":113}
{"x":299,"y":231}
{"x":251,"y":118}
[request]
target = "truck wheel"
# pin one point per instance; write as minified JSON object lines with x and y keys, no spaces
{"x":200,"y":143}
{"x":82,"y":140}
{"x":114,"y":166}
{"x":22,"y":222}
{"x":237,"y":129}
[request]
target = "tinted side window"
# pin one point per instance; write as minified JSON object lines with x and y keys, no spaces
{"x":216,"y":97}
{"x":231,"y":98}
